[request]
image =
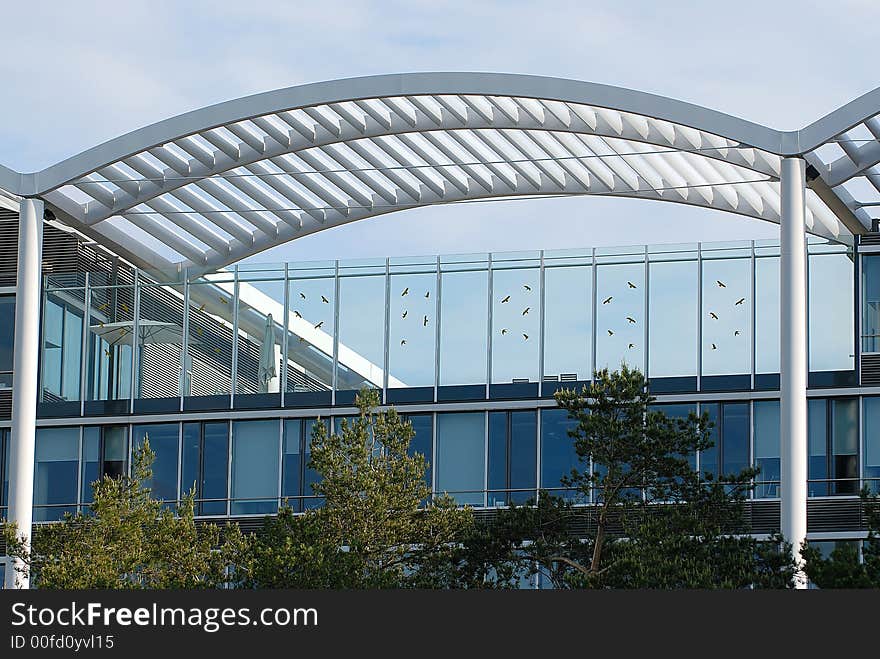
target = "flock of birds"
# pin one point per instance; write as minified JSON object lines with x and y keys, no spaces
{"x":405,"y":313}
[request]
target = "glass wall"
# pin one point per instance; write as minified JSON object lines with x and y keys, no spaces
{"x":766,"y":438}
{"x":255,"y":467}
{"x":312,"y":331}
{"x":731,"y":437}
{"x":871,"y":443}
{"x":558,"y":456}
{"x":871,"y":303}
{"x":260,"y":334}
{"x":362,"y":325}
{"x":673,"y":305}
{"x":159,"y":342}
{"x":297,"y":474}
{"x":767,"y":311}
{"x":831,"y":322}
{"x":423,"y":442}
{"x":164,"y":441}
{"x":56,"y":457}
{"x":513,"y":453}
{"x":412,"y":340}
{"x":726,"y":315}
{"x":4,"y":471}
{"x":461,"y":456}
{"x":516,"y":313}
{"x":104,"y":453}
{"x":204,"y":466}
{"x":568,"y":318}
{"x":7,"y":338}
{"x":833,"y":426}
{"x":464,"y":290}
{"x":620,"y":314}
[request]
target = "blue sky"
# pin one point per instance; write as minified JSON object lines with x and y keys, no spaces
{"x":76,"y":74}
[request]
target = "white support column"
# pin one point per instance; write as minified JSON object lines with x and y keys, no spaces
{"x":793,"y":346}
{"x":24,"y":387}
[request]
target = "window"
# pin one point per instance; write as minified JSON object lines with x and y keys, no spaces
{"x":423,"y":441}
{"x":4,"y":470}
{"x":834,"y":439}
{"x":297,"y":475}
{"x":678,"y":411}
{"x":461,"y":456}
{"x":311,"y":328}
{"x":730,"y":454}
{"x":104,"y":453}
{"x":871,"y":303}
{"x":620,"y":316}
{"x":463,"y":351}
{"x":55,"y":473}
{"x":512,"y":457}
{"x":255,"y":464}
{"x":767,"y":315}
{"x":205,"y":456}
{"x":568,"y":313}
{"x":7,"y":339}
{"x":831,"y":300}
{"x":726,"y":316}
{"x":516,"y":318}
{"x":673,"y":319}
{"x":165,"y":443}
{"x":767,"y":432}
{"x":362,"y":330}
{"x":558,"y":456}
{"x":411,"y":342}
{"x":872,"y":443}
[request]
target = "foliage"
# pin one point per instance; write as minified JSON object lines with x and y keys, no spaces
{"x":842,"y":567}
{"x":656,"y":522}
{"x":128,"y":540}
{"x":378,"y":524}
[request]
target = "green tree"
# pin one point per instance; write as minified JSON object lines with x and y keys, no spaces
{"x":654,"y":522}
{"x":378,"y":524}
{"x":128,"y":540}
{"x":842,"y":568}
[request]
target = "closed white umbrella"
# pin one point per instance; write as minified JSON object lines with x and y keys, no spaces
{"x":267,"y":369}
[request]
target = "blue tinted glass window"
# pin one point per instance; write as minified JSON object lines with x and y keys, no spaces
{"x":55,"y":472}
{"x":4,"y":467}
{"x":205,"y":464}
{"x":164,"y":443}
{"x":423,"y":441}
{"x":736,"y":438}
{"x":817,"y":428}
{"x":558,"y":455}
{"x":523,"y":455}
{"x":255,"y":464}
{"x":292,"y":463}
{"x":72,"y":351}
{"x":767,"y":448}
{"x":498,"y":446}
{"x":871,"y":303}
{"x":310,"y":475}
{"x":845,"y":446}
{"x":91,"y":462}
{"x":709,"y":456}
{"x":461,"y":457}
{"x":7,"y":332}
{"x":872,"y":443}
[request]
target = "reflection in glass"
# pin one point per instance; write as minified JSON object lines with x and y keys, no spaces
{"x":312,"y":328}
{"x":568,"y":314}
{"x":7,"y":337}
{"x":730,"y":434}
{"x":673,"y":319}
{"x":727,"y":333}
{"x":209,"y":361}
{"x":845,"y":445}
{"x":164,"y":442}
{"x":160,"y":341}
{"x":678,"y":411}
{"x":817,"y":430}
{"x":831,"y":300}
{"x":62,"y":344}
{"x":766,"y":430}
{"x":260,"y":332}
{"x":871,"y":303}
{"x":512,"y":457}
{"x":111,"y":326}
{"x":461,"y":456}
{"x":872,"y":443}
{"x":620,"y":315}
{"x":204,"y":468}
{"x":558,"y":455}
{"x":423,"y":441}
{"x":766,"y":315}
{"x":463,"y":328}
{"x":515,"y":325}
{"x":255,"y":464}
{"x":56,"y":456}
{"x":411,"y":357}
{"x":361,"y":332}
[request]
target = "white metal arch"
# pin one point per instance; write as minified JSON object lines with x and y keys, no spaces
{"x":215,"y":185}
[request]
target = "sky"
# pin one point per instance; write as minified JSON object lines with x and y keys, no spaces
{"x":77,"y":74}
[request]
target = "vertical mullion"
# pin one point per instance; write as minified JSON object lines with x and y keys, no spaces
{"x":229,"y":468}
{"x":79,"y":470}
{"x":334,"y":378}
{"x":489,"y":330}
{"x":135,"y":342}
{"x":285,"y":337}
{"x":700,"y":318}
{"x":179,"y":460}
{"x":83,"y":357}
{"x":541,"y":300}
{"x":752,"y":317}
{"x":234,"y":376}
{"x":280,"y":459}
{"x":387,"y":332}
{"x":647,"y":312}
{"x":437,"y":336}
{"x":184,"y":350}
{"x":595,"y":291}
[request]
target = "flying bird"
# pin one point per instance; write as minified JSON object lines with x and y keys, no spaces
{"x":403,"y":342}
{"x":106,"y":352}
{"x":297,"y":314}
{"x":610,"y":333}
{"x":631,"y":346}
{"x":302,"y":295}
{"x":201,"y":308}
{"x":427,"y":294}
{"x":720,"y":283}
{"x":503,"y":331}
{"x":527,"y":287}
{"x":319,"y":325}
{"x":325,"y":300}
{"x":505,"y":300}
{"x":526,"y":311}
{"x":405,"y":312}
{"x":739,"y":301}
{"x":713,"y":315}
{"x":405,"y":291}
{"x":525,"y":336}
{"x":425,"y":321}
{"x":608,"y":299}
{"x":714,"y":347}
{"x":630,"y":284}
{"x":631,"y":320}
{"x":736,"y":332}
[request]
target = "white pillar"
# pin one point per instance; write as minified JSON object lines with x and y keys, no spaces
{"x":24,"y":386}
{"x":793,"y":346}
